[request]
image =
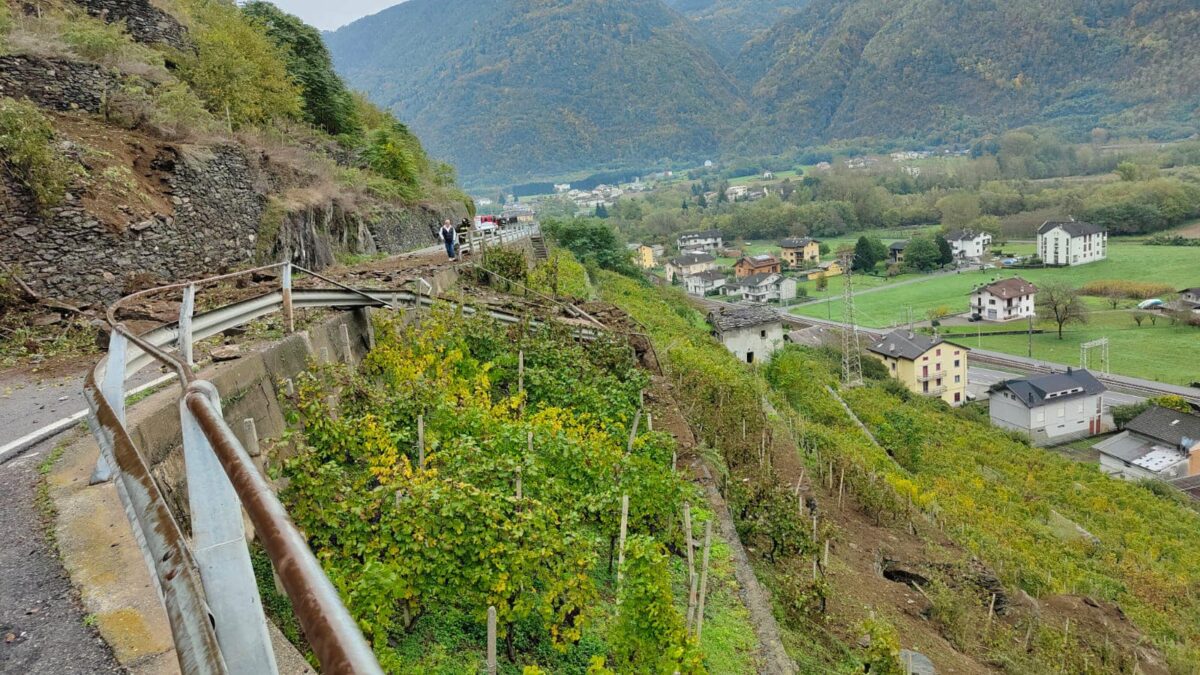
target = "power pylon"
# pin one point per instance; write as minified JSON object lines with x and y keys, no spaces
{"x":851,"y":351}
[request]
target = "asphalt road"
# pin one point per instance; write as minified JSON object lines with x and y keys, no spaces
{"x":42,"y":627}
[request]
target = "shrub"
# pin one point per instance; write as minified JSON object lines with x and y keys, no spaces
{"x":94,"y":40}
{"x":393,"y":153}
{"x":1124,"y":288}
{"x":28,"y":149}
{"x":235,"y":68}
{"x":882,"y":653}
{"x":504,"y":262}
{"x":649,"y":635}
{"x":327,"y":102}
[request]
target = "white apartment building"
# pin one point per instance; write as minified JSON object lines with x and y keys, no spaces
{"x":1071,"y":243}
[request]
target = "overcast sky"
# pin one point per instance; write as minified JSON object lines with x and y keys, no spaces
{"x":328,"y":15}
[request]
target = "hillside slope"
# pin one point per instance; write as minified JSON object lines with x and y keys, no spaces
{"x":533,"y":87}
{"x":953,"y":70}
{"x":730,"y":24}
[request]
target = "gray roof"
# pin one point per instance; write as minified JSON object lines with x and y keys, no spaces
{"x":797,"y":243}
{"x":692,"y":259}
{"x":757,"y":279}
{"x":1193,"y":291}
{"x":962,"y":235}
{"x":905,"y":344}
{"x":1033,"y":392}
{"x":706,"y":234}
{"x":1074,"y":228}
{"x":899,"y":245}
{"x":709,"y":275}
{"x":1166,"y":425}
{"x":742,"y":317}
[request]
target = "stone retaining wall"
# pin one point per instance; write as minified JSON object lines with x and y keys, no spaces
{"x":145,"y":22}
{"x":58,"y":84}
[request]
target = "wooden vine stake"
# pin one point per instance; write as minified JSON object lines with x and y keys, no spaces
{"x":521,"y":377}
{"x":637,"y":418}
{"x":674,"y":460}
{"x":621,"y":543}
{"x":518,"y":483}
{"x":825,"y":561}
{"x":703,"y":579}
{"x":841,"y":487}
{"x":491,"y":641}
{"x":650,"y":422}
{"x":991,"y":613}
{"x":421,"y":442}
{"x":691,"y":560}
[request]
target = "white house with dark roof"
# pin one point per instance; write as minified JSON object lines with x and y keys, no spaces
{"x":969,"y":245}
{"x":708,"y":240}
{"x":1053,"y":408}
{"x":705,"y":283}
{"x":689,"y":264}
{"x":1071,"y":243}
{"x":752,"y":333}
{"x":1160,"y":443}
{"x":763,"y":288}
{"x":1004,"y":300}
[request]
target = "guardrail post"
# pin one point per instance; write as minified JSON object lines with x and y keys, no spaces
{"x":219,"y":546}
{"x":113,"y":390}
{"x":186,"y":309}
{"x":289,"y":321}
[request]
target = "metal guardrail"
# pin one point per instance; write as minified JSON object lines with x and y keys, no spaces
{"x":208,"y":588}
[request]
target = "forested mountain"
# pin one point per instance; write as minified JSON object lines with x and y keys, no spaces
{"x":952,"y":70}
{"x":537,"y":87}
{"x":729,"y":24}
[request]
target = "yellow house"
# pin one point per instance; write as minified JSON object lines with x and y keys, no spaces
{"x":828,"y":269}
{"x":645,"y":257}
{"x":800,"y":253}
{"x":926,"y":365}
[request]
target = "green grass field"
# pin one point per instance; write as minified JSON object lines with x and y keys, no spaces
{"x":1161,"y":352}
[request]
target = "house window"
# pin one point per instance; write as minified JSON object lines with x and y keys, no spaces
{"x":957,"y":397}
{"x":893,"y":366}
{"x":939,"y":352}
{"x":957,"y":379}
{"x":749,"y":357}
{"x":763,"y":334}
{"x":957,"y":363}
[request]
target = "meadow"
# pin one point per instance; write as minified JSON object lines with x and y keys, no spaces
{"x":1162,"y":352}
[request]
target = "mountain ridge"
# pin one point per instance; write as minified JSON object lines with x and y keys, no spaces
{"x":533,"y":89}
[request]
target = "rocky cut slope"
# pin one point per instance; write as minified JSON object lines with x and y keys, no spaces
{"x":142,"y":146}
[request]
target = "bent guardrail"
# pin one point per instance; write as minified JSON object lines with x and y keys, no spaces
{"x":208,"y":587}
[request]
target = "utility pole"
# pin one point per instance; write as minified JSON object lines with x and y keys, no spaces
{"x":851,"y":351}
{"x":1031,"y":336}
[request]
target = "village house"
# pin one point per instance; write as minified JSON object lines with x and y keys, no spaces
{"x":1189,"y":300}
{"x":689,"y":264}
{"x":708,"y":241}
{"x":648,"y":256}
{"x":704,"y":283}
{"x":757,"y":264}
{"x":763,"y":288}
{"x":827,"y":269}
{"x":736,"y":192}
{"x":926,"y":365}
{"x":1071,"y":243}
{"x":1004,"y":300}
{"x":751,"y":333}
{"x":896,"y":251}
{"x":1053,"y":408}
{"x":799,"y":253}
{"x":1160,"y":443}
{"x":968,"y":245}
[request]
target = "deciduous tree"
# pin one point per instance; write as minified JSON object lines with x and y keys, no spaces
{"x":1063,"y":303}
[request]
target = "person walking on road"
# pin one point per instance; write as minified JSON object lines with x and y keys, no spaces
{"x":449,"y":237}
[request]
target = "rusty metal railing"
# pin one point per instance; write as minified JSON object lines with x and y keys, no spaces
{"x":208,"y":587}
